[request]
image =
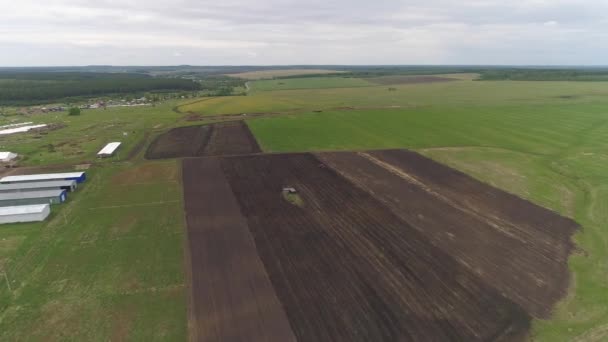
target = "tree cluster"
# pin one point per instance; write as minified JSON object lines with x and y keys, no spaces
{"x":30,"y":88}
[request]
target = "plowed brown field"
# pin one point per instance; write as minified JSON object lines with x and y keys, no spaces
{"x":229,"y":138}
{"x":515,"y":246}
{"x":179,"y":142}
{"x":232,"y":298}
{"x":380,"y":246}
{"x":226,"y":138}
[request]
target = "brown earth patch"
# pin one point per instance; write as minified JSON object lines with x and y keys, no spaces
{"x":146,"y":173}
{"x":232,"y":298}
{"x":229,"y":138}
{"x":179,"y":142}
{"x":515,"y":246}
{"x":347,"y":269}
{"x":122,"y":322}
{"x":385,"y":246}
{"x":226,"y":138}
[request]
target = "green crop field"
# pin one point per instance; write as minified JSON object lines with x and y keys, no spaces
{"x":545,"y":141}
{"x":309,"y":83}
{"x":265,"y":74}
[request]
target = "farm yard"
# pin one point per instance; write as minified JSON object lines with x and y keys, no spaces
{"x":379,"y":214}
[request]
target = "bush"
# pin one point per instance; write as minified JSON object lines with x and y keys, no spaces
{"x":74,"y":111}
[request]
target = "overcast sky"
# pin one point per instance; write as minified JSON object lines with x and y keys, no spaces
{"x":268,"y":32}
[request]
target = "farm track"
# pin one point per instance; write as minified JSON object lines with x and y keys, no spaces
{"x":138,"y":147}
{"x":232,"y":298}
{"x":387,"y":245}
{"x":194,"y":116}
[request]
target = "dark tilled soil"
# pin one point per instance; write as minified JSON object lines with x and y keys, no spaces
{"x":227,"y":138}
{"x":232,"y":298}
{"x":517,"y":247}
{"x":230,"y":138}
{"x":348,"y":269}
{"x":380,"y":246}
{"x":179,"y":143}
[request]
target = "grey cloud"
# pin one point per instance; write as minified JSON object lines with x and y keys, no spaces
{"x":76,"y":32}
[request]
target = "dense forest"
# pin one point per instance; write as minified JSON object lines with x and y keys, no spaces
{"x":584,"y":74}
{"x":29,"y":87}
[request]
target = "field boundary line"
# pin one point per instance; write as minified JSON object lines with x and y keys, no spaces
{"x":148,"y":183}
{"x":136,"y":205}
{"x":495,"y":222}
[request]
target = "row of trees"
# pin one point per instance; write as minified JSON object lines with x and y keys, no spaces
{"x":25,"y":90}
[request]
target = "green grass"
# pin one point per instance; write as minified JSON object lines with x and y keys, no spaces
{"x":461,"y":94}
{"x":308,"y":83}
{"x":545,"y":141}
{"x":114,"y":269}
{"x":108,"y":264}
{"x":84,"y":135}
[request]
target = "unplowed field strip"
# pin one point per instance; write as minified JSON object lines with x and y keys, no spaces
{"x":513,"y":245}
{"x":346,"y":268}
{"x":232,"y":297}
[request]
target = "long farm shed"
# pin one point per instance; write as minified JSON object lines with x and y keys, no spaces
{"x":69,"y":185}
{"x":24,"y":213}
{"x":108,"y":150}
{"x":32,"y":197}
{"x":79,"y":177}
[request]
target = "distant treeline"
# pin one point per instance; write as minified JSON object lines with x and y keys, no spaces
{"x":40,"y":87}
{"x":379,"y":71}
{"x":545,"y":75}
{"x":491,"y":73}
{"x":220,"y":85}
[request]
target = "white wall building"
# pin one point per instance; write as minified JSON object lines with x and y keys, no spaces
{"x":108,"y":150}
{"x":24,"y":213}
{"x":79,"y":177}
{"x":6,"y":157}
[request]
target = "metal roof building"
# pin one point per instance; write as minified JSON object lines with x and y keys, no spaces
{"x":79,"y":177}
{"x":69,"y":185}
{"x":9,"y":199}
{"x":7,"y":156}
{"x":24,"y":213}
{"x":108,"y":150}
